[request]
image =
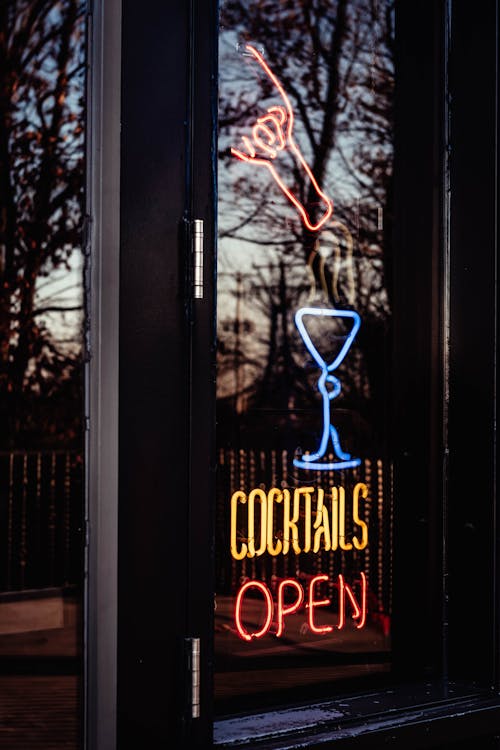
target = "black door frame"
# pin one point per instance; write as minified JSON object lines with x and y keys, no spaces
{"x":166,"y":372}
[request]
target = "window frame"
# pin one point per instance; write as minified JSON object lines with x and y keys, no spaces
{"x":101,"y":372}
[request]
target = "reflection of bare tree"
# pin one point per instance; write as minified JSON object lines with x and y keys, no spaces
{"x":334,"y":60}
{"x":260,"y":358}
{"x":41,"y":192}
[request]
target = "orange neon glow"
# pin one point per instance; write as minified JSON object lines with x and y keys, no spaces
{"x":321,"y":524}
{"x":362,"y":489}
{"x":273,"y":496}
{"x":261,"y":497}
{"x":317,"y":255}
{"x":284,"y":610}
{"x":238,"y":496}
{"x":278,"y":523}
{"x":342,"y":535}
{"x":269,"y":607}
{"x":271,"y":134}
{"x":317,"y":603}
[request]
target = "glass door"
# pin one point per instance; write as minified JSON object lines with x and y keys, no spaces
{"x":303,"y":556}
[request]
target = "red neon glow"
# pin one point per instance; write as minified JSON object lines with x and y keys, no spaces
{"x":359,"y":612}
{"x":243,"y":633}
{"x":317,"y":603}
{"x":361,"y":617}
{"x":283,"y":610}
{"x":271,"y":134}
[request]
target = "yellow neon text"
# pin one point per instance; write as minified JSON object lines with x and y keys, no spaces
{"x":299,"y":520}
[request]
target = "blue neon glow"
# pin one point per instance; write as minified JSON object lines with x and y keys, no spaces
{"x":312,"y":460}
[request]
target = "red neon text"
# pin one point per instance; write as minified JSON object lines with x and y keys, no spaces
{"x":291,"y":597}
{"x":271,"y":134}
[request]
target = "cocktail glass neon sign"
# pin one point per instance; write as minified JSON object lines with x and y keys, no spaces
{"x":272,"y":133}
{"x":329,"y":387}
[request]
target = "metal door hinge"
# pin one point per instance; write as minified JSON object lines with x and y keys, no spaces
{"x":193,"y":654}
{"x":198,"y":259}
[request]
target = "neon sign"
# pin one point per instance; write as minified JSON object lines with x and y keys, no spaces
{"x":286,"y":521}
{"x":273,"y":133}
{"x":275,"y":612}
{"x":329,"y":387}
{"x":296,"y":523}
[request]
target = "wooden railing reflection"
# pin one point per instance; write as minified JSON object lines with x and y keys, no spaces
{"x":41,"y":519}
{"x":42,"y":507}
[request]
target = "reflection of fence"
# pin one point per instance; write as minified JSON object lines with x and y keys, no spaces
{"x":246,"y":469}
{"x":41,"y":516}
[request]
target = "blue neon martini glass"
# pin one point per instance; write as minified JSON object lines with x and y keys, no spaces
{"x":328,"y":385}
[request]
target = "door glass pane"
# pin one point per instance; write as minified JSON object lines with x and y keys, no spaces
{"x":42,"y":177}
{"x":304,"y":505}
